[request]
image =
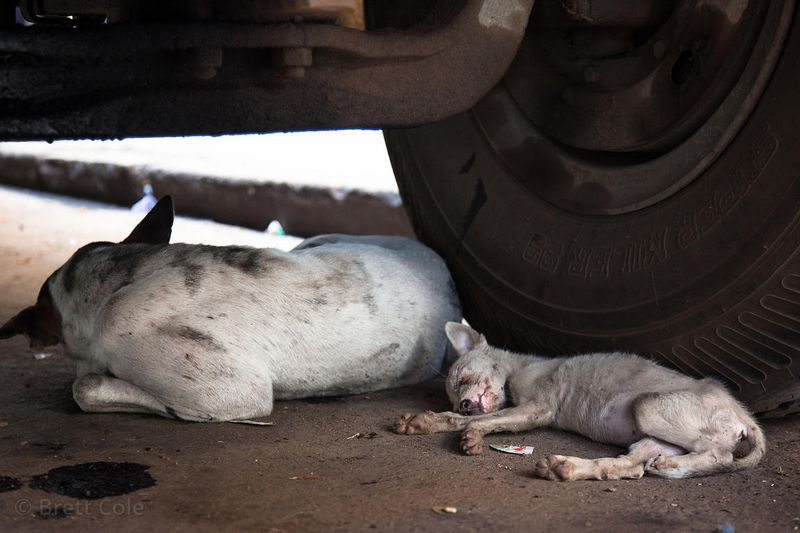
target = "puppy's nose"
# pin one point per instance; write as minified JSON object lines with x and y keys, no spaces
{"x":465,"y":406}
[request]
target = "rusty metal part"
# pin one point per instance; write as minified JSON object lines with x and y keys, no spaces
{"x":158,"y":78}
{"x":646,"y":96}
{"x":619,"y":133}
{"x":601,"y":13}
{"x":294,"y":60}
{"x":346,"y":13}
{"x":207,"y":62}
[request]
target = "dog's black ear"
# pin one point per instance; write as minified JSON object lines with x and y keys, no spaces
{"x":156,"y":226}
{"x":21,"y":324}
{"x":41,"y":323}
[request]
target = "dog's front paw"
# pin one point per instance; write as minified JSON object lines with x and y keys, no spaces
{"x":554,"y":468}
{"x":415,"y":424}
{"x":472,"y":442}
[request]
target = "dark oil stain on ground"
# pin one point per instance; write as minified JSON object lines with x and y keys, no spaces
{"x":8,"y":483}
{"x":91,"y":481}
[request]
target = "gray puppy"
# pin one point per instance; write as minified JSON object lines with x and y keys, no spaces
{"x":207,"y":333}
{"x":675,"y":426}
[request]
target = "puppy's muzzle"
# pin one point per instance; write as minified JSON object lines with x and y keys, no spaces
{"x":468,"y":407}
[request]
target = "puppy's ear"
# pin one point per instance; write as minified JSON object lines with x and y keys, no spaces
{"x":463,"y":338}
{"x":21,"y":324}
{"x":156,"y":226}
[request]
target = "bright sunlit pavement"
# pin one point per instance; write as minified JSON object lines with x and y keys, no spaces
{"x":346,"y":159}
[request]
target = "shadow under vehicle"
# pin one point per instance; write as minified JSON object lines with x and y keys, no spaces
{"x":610,"y":174}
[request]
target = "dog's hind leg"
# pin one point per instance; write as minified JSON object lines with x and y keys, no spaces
{"x":96,"y":393}
{"x":632,"y":465}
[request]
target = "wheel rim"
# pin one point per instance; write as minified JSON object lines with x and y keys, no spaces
{"x":622,"y":125}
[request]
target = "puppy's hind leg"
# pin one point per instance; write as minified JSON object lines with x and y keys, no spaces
{"x":710,"y":425}
{"x":632,"y":465}
{"x":95,"y":393}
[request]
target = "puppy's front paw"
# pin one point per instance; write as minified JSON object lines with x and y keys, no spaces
{"x":472,"y":442}
{"x":554,"y":468}
{"x":411,"y":424}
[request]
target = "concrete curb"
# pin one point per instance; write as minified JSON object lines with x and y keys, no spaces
{"x":302,"y":210}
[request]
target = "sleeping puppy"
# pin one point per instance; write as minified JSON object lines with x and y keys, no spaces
{"x":207,"y":333}
{"x":673,"y":425}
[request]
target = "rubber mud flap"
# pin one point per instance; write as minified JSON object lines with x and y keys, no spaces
{"x":706,"y":280}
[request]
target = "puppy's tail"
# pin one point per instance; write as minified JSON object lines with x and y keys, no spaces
{"x":751,"y":447}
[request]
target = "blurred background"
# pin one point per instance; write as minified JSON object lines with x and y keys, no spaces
{"x":302,"y":183}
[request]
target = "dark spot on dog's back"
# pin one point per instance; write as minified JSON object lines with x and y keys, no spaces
{"x":192,"y":274}
{"x":319,"y":301}
{"x":191,"y":334}
{"x":386,"y":351}
{"x":250,"y":263}
{"x":347,"y":277}
{"x":91,"y":481}
{"x":344,"y":270}
{"x":192,"y":271}
{"x":8,"y":483}
{"x":242,"y":258}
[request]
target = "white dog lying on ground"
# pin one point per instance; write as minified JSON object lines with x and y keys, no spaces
{"x":675,"y":426}
{"x":208,"y":333}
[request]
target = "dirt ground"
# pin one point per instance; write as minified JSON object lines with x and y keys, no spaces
{"x":329,"y":465}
